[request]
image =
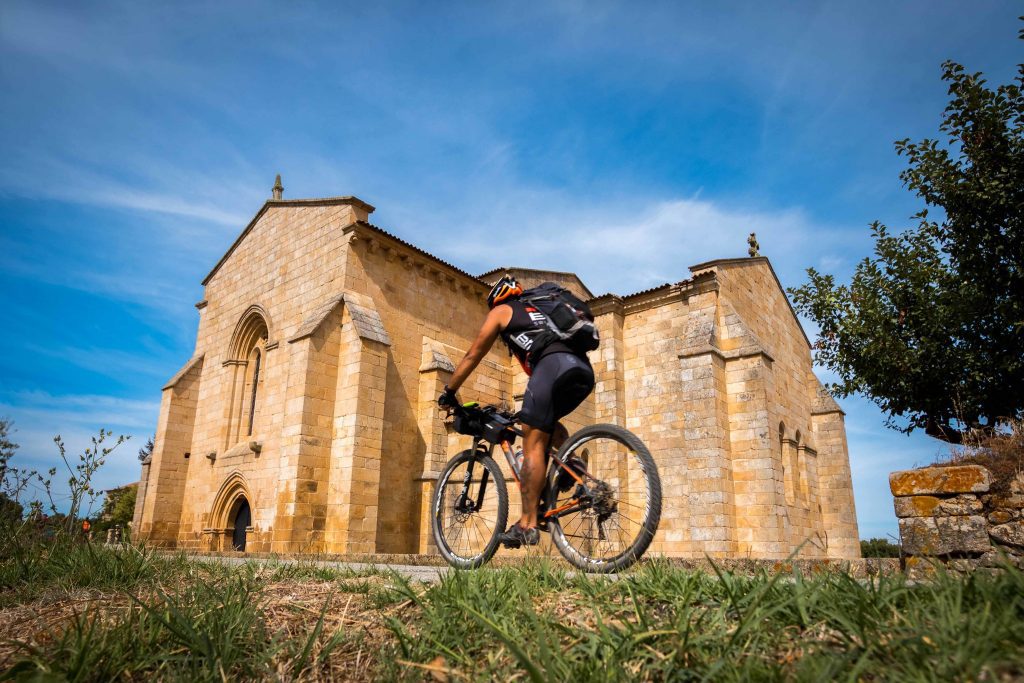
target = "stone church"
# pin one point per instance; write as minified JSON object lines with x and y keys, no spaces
{"x":306,"y":421}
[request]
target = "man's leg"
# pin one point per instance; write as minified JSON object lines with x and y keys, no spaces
{"x":558,"y":437}
{"x":531,"y":479}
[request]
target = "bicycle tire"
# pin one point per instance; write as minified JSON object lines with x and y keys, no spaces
{"x":652,"y":508}
{"x":444,"y":533}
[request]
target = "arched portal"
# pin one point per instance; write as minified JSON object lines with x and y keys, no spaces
{"x":231,"y":515}
{"x":242,"y":520}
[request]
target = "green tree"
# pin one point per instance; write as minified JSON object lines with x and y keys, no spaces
{"x":118,"y":508}
{"x":147,"y":450}
{"x":931,"y":328}
{"x":879,"y":547}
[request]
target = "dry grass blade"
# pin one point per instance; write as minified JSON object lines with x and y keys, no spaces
{"x":438,"y":669}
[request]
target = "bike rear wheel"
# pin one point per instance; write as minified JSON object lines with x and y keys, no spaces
{"x":618,"y":504}
{"x":469,"y":509}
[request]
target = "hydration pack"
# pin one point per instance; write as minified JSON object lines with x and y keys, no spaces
{"x":569,"y":319}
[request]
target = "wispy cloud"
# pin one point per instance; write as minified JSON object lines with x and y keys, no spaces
{"x":628,"y":243}
{"x":40,"y":416}
{"x":85,"y":411}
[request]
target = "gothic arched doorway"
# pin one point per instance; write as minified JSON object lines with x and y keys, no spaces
{"x":242,"y":520}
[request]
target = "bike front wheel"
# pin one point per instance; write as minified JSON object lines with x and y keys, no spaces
{"x":469,"y":509}
{"x":604,"y":519}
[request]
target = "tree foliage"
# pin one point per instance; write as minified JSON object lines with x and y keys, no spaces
{"x":879,"y":547}
{"x":931,"y":328}
{"x":118,"y":508}
{"x":147,"y":450}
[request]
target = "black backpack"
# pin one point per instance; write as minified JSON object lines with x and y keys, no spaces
{"x":569,"y":319}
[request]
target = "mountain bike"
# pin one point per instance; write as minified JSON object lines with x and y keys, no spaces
{"x":601,"y":502}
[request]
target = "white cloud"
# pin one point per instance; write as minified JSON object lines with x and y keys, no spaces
{"x":39,"y":416}
{"x":55,"y":412}
{"x":51,"y":177}
{"x":622,"y":244}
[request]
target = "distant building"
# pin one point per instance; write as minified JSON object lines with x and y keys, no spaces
{"x":306,"y":420}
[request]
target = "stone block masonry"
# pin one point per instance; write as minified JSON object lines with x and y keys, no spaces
{"x":949,"y":518}
{"x":305,"y":421}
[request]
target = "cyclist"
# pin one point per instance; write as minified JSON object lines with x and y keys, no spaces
{"x":560,"y":380}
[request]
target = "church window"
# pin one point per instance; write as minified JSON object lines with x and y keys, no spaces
{"x":785,"y":448}
{"x":255,"y":386}
{"x":246,"y":367}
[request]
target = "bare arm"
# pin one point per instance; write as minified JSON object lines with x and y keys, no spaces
{"x":494,"y":323}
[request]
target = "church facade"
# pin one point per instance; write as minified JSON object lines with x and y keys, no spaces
{"x":306,"y":421}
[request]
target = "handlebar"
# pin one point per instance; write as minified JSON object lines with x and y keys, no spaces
{"x":487,"y":422}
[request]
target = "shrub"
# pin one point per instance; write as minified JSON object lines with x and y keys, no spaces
{"x":1001,"y":452}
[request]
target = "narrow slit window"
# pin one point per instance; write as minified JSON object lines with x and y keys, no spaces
{"x":255,"y":386}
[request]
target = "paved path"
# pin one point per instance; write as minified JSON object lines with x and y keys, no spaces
{"x":415,"y":572}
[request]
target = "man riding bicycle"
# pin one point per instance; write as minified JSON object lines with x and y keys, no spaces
{"x":560,"y":380}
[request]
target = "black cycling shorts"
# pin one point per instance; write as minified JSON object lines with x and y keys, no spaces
{"x":559,"y":383}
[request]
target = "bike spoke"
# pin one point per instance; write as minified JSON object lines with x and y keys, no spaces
{"x":616,"y":503}
{"x":467,"y":533}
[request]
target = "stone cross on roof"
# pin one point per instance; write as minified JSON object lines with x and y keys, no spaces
{"x":754,"y":246}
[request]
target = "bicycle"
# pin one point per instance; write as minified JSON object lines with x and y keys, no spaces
{"x":601,"y":502}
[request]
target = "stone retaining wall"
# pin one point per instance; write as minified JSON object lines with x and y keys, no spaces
{"x":949,"y":517}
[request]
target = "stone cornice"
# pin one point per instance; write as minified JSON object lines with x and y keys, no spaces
{"x":435,"y":357}
{"x":810,"y":450}
{"x":824,"y":403}
{"x":605,"y":304}
{"x":374,"y":239}
{"x":363,"y":312}
{"x":735,"y":354}
{"x":192,"y":363}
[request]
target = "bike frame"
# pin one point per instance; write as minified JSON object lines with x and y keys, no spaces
{"x":483,"y":447}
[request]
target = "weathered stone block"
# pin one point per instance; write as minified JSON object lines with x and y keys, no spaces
{"x":1000,"y":517}
{"x":915,"y":506}
{"x":944,"y":535}
{"x":1013,"y":501}
{"x":940,"y":480}
{"x":932,"y":506}
{"x":962,"y":565}
{"x":1011,"y":533}
{"x":998,"y":557}
{"x":919,"y":568}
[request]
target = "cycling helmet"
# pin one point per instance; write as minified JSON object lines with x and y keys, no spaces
{"x":503,"y":289}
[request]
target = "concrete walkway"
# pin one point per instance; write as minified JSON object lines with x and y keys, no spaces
{"x":431,"y":568}
{"x":428,"y":574}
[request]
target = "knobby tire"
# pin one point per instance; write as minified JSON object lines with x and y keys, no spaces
{"x":652,"y":511}
{"x":442,"y":510}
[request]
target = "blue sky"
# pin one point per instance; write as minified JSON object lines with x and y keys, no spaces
{"x":139,"y":138}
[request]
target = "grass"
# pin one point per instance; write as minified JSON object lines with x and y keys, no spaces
{"x":660,"y":623}
{"x":84,"y":613}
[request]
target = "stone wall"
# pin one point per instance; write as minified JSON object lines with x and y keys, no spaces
{"x":949,"y":517}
